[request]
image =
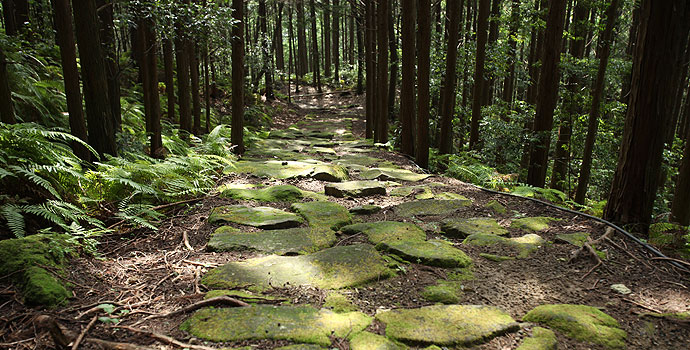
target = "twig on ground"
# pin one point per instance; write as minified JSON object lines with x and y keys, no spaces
{"x":185,"y":239}
{"x":63,"y":337}
{"x":163,"y":206}
{"x":670,"y":259}
{"x":191,"y":262}
{"x":642,"y":305}
{"x":165,"y":339}
{"x":81,"y":335}
{"x":224,"y":299}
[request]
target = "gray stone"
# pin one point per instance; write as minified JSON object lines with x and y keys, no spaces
{"x":432,"y":253}
{"x":355,"y":189}
{"x":462,"y":228}
{"x":262,"y":217}
{"x":429,"y":207}
{"x":290,"y":241}
{"x":323,"y":214}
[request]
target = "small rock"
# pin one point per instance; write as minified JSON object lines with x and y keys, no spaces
{"x":365,"y":210}
{"x":355,"y":189}
{"x":621,"y":288}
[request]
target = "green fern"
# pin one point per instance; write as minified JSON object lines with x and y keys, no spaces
{"x":14,"y":219}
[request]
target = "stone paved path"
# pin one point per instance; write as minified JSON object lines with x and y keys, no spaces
{"x":313,"y":239}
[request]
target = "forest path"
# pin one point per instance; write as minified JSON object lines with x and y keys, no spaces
{"x":336,"y":243}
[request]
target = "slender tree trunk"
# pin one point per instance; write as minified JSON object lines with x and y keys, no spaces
{"x":393,"y":49}
{"x":382,"y":13}
{"x":101,"y":124}
{"x":8,"y":11}
{"x":152,"y":98}
{"x":370,"y":41}
{"x":169,"y":78}
{"x":327,"y":37}
{"x":107,"y":28}
{"x":68,"y":56}
{"x":336,"y":41}
{"x":454,"y":12}
{"x":407,"y":112}
{"x":571,"y":102}
{"x":604,"y":52}
{"x":547,"y":93}
{"x":6,"y":105}
{"x":662,"y":33}
{"x":237,"y":130}
{"x":680,"y":208}
{"x":194,"y":78}
{"x":290,"y":53}
{"x":293,"y":52}
{"x":183,"y":81}
{"x":629,"y":49}
{"x":360,"y":53}
{"x":536,"y":48}
{"x":280,"y":57}
{"x":315,"y":47}
{"x":302,"y":61}
{"x":266,"y":58}
{"x":479,"y":78}
{"x":207,"y":89}
{"x":423,"y":70}
{"x":492,"y":40}
{"x":509,"y":82}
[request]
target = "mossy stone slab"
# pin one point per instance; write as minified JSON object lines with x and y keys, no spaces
{"x":371,"y":341}
{"x":533,"y":224}
{"x":386,"y":231}
{"x":332,"y":268}
{"x":429,"y":207}
{"x":419,"y":192}
{"x":355,"y":189}
{"x":323,"y":214}
{"x":240,"y":294}
{"x":496,"y":207}
{"x":581,"y":322}
{"x":277,"y":169}
{"x":392,"y":174}
{"x":450,"y":196}
{"x":462,"y":228}
{"x":365,"y":209}
{"x":291,"y":241}
{"x":431,"y":253}
{"x":577,"y":239}
{"x":541,"y":339}
{"x":447,"y":325}
{"x":441,"y":293}
{"x":338,"y":302}
{"x":280,"y":193}
{"x":303,"y":324}
{"x":262,"y":217}
{"x":524,"y":245}
{"x":301,"y":347}
{"x":330,"y":173}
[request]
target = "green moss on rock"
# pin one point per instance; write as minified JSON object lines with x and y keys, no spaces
{"x":338,"y":302}
{"x":303,"y":324}
{"x":432,"y":253}
{"x":371,"y":341}
{"x":262,"y":217}
{"x":323,"y":214}
{"x":301,"y":347}
{"x":496,"y":207}
{"x":277,"y":169}
{"x":524,"y":246}
{"x":332,"y":268}
{"x":577,"y":239}
{"x":355,"y":189}
{"x":541,"y":339}
{"x":242,"y":295}
{"x":291,"y":241}
{"x":280,"y":193}
{"x":446,"y":324}
{"x":496,"y":258}
{"x":533,"y":224}
{"x":388,"y":231}
{"x":365,"y":209}
{"x":392,"y":174}
{"x":581,"y":322}
{"x":462,"y":228}
{"x":441,"y":293}
{"x":428,"y":207}
{"x":21,"y":259}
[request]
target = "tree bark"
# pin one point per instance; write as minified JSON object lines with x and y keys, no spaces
{"x":370,"y":41}
{"x":266,"y":58}
{"x":423,"y":70}
{"x":151,"y":97}
{"x":662,"y":33}
{"x":381,"y":134}
{"x":336,"y":41}
{"x":194,"y":79}
{"x":479,"y":79}
{"x":604,"y":52}
{"x":101,"y":124}
{"x":207,"y":88}
{"x":407,"y":113}
{"x":107,"y":28}
{"x":454,"y":11}
{"x":169,"y":79}
{"x":509,"y":82}
{"x":327,"y":37}
{"x":68,"y":57}
{"x":183,"y":81}
{"x":6,"y":105}
{"x":680,"y":208}
{"x":632,"y":39}
{"x":8,"y":11}
{"x":302,"y":59}
{"x":393,"y":50}
{"x":494,"y":21}
{"x":547,"y":93}
{"x":315,"y":47}
{"x":280,"y":57}
{"x":360,"y":53}
{"x":237,"y":130}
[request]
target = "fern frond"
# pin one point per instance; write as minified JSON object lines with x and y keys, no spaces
{"x":14,"y":218}
{"x":36,"y":179}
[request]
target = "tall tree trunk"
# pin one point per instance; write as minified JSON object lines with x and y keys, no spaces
{"x":509,"y":82}
{"x":151,"y":86}
{"x":680,"y":208}
{"x":107,"y":27}
{"x":293,"y":53}
{"x":423,"y":70}
{"x":494,"y":21}
{"x":6,"y":105}
{"x":207,"y":89}
{"x":536,"y":48}
{"x":8,"y":11}
{"x":572,"y":103}
{"x":194,"y":78}
{"x":360,"y":52}
{"x":662,"y":33}
{"x":266,"y":58}
{"x":327,"y":37}
{"x":604,"y":52}
{"x":454,"y":12}
{"x":382,"y":13}
{"x":101,"y":124}
{"x":68,"y":58}
{"x":547,"y":93}
{"x":370,"y":41}
{"x":315,"y":47}
{"x":407,"y":113}
{"x":169,"y":78}
{"x":302,"y":61}
{"x":479,"y":78}
{"x":629,"y":49}
{"x":183,"y":81}
{"x":280,"y":57}
{"x":237,"y":130}
{"x":351,"y":20}
{"x":393,"y":49}
{"x":336,"y":41}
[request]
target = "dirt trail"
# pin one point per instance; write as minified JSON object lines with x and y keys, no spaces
{"x":479,"y":254}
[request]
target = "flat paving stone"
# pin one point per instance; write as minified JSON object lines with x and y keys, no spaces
{"x":392,"y":174}
{"x":277,"y":169}
{"x":533,"y":224}
{"x":355,"y":189}
{"x":371,"y":341}
{"x":388,"y":231}
{"x":524,"y":245}
{"x":292,"y":241}
{"x":332,"y":268}
{"x":462,"y":228}
{"x":262,"y":217}
{"x":323,"y":214}
{"x":541,"y":339}
{"x":304,"y":324}
{"x":431,"y":207}
{"x":447,"y":325}
{"x":431,"y":253}
{"x":280,"y":193}
{"x":367,"y":209}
